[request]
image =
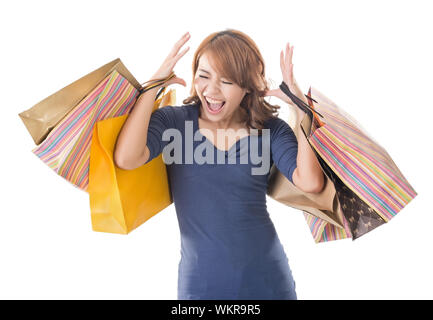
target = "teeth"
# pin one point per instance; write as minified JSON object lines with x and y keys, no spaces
{"x":213,"y":101}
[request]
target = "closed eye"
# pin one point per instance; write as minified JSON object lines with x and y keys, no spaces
{"x":222,"y":81}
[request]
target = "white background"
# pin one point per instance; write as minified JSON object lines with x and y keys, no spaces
{"x":373,"y":58}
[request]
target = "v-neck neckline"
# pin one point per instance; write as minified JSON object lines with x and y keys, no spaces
{"x":202,"y":135}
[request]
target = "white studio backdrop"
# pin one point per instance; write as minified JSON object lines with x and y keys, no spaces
{"x":373,"y":58}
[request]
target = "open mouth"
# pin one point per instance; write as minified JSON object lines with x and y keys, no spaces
{"x":214,"y":108}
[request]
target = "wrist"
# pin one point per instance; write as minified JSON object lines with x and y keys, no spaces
{"x":294,"y":88}
{"x":156,"y":81}
{"x":300,"y":114}
{"x":158,"y":76}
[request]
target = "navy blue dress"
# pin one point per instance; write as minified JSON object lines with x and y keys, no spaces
{"x":229,"y":245}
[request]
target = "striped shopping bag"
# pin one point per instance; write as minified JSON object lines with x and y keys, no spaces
{"x":66,"y":149}
{"x":370,"y":188}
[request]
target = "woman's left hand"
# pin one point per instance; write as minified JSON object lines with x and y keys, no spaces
{"x":288,"y":77}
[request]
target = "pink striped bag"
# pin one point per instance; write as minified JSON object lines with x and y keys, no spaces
{"x":40,"y":119}
{"x":66,"y":149}
{"x":370,"y":188}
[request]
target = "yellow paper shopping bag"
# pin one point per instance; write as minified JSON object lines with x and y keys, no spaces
{"x":121,"y":200}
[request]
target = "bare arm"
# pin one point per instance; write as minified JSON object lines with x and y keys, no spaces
{"x":308,"y":175}
{"x":131,"y":150}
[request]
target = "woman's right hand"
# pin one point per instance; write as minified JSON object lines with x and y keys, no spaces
{"x":167,"y":66}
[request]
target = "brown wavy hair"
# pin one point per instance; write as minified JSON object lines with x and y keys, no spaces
{"x":237,"y":58}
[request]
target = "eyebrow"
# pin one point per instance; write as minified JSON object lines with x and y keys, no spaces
{"x":204,"y":70}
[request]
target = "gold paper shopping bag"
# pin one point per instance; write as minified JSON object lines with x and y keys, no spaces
{"x":323,"y":205}
{"x":45,"y":115}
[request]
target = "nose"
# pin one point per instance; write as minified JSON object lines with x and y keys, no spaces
{"x":212,"y":88}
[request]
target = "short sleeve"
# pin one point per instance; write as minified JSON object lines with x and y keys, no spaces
{"x":284,"y":147}
{"x":160,"y":120}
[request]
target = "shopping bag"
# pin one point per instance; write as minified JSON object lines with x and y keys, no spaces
{"x":45,"y":115}
{"x":121,"y":200}
{"x":322,"y":210}
{"x":66,"y":149}
{"x":370,"y":188}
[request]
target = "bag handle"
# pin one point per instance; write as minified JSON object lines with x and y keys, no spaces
{"x":146,"y":86}
{"x":321,"y":124}
{"x":155,"y":82}
{"x":299,"y":103}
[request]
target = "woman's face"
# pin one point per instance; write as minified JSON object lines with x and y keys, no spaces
{"x":220,"y":97}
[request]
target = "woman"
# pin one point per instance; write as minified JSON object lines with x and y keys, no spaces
{"x":229,"y":246}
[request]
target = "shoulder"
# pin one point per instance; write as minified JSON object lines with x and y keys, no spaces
{"x":175,"y":115}
{"x":182,"y":112}
{"x":188,"y":111}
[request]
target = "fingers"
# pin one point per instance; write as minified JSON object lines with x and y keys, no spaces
{"x":277,"y":93}
{"x":286,"y":60}
{"x":176,"y":81}
{"x":181,"y":54}
{"x":289,"y":54}
{"x":179,"y":44}
{"x":282,"y":65}
{"x":180,"y":81}
{"x":272,"y":92}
